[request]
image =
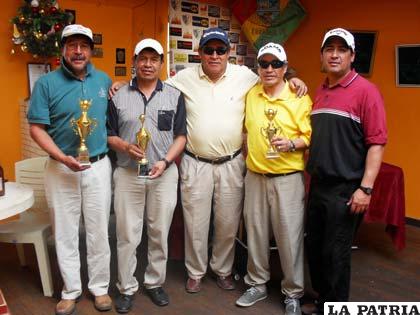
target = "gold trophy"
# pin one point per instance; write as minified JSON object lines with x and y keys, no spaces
{"x":269,"y":132}
{"x":143,"y":137}
{"x":83,"y":127}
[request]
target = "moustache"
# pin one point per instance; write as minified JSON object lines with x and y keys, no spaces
{"x":78,"y":58}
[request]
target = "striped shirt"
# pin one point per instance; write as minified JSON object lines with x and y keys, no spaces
{"x":165,"y":119}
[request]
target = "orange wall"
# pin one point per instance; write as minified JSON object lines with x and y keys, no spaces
{"x":397,"y":22}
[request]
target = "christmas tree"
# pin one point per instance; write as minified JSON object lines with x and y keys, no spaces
{"x":37,"y":27}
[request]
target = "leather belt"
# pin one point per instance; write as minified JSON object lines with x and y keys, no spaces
{"x":271,"y":175}
{"x":219,"y":160}
{"x":92,"y":159}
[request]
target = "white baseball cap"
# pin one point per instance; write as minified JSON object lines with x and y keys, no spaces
{"x":273,"y":49}
{"x":148,"y":43}
{"x":342,"y":33}
{"x":76,"y":29}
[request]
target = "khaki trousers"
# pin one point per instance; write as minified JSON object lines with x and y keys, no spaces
{"x":275,"y":206}
{"x":71,"y":194}
{"x":138,"y":200}
{"x":203,"y":185}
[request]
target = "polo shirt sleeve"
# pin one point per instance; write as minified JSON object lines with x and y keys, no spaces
{"x":39,"y":111}
{"x":112,"y":119}
{"x":180,"y":121}
{"x":373,"y":118}
{"x":303,"y":119}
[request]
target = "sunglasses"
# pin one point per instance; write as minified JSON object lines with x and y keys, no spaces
{"x":275,"y":64}
{"x":219,"y":50}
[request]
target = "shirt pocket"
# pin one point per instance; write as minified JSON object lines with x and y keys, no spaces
{"x":165,"y":119}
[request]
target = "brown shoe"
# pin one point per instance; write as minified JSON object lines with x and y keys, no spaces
{"x":193,"y":285}
{"x":103,"y":303}
{"x":226,"y":283}
{"x":65,"y":307}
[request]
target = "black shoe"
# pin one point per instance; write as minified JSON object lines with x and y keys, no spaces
{"x":123,"y":303}
{"x":158,"y":296}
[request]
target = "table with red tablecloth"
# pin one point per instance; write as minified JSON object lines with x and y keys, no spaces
{"x":388,"y":203}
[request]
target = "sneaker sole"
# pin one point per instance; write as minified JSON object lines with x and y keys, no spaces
{"x":251,"y":303}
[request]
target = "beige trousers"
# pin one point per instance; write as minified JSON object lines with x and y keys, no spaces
{"x":275,"y":206}
{"x":70,"y":195}
{"x":204,"y":185}
{"x":138,"y":200}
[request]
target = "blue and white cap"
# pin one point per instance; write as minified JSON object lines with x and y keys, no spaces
{"x":215,"y":33}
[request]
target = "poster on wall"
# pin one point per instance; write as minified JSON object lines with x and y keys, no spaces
{"x":187,"y":21}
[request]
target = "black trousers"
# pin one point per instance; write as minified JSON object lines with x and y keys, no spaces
{"x":330,"y":227}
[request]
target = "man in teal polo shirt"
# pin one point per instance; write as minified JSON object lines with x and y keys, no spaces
{"x":74,"y":189}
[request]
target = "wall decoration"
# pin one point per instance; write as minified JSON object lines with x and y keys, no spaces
{"x":188,"y":19}
{"x":35,"y":71}
{"x":97,"y":52}
{"x":120,"y":55}
{"x":407,"y":65}
{"x":97,"y":39}
{"x":365,"y":51}
{"x":72,"y":13}
{"x":37,"y":28}
{"x":120,"y":71}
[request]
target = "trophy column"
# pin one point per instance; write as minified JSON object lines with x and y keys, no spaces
{"x":143,"y":137}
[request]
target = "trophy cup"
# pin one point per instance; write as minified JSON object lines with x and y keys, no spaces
{"x":269,"y":132}
{"x":83,"y":127}
{"x":143,"y":137}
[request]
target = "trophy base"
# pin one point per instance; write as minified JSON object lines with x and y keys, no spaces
{"x":143,"y":171}
{"x":84,"y":163}
{"x":272,"y":155}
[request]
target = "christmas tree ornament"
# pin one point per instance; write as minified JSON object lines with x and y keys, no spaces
{"x":34,"y":3}
{"x":42,"y":11}
{"x":12,"y":51}
{"x":21,"y":19}
{"x":57,"y":27}
{"x":57,"y":61}
{"x":24,"y":48}
{"x":35,"y":56}
{"x":53,"y":10}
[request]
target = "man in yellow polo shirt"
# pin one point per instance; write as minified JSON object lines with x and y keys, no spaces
{"x":274,"y":183}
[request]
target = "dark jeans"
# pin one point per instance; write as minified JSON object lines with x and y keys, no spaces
{"x":330,"y":228}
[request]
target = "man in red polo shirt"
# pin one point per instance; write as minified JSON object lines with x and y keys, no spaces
{"x":348,"y":138}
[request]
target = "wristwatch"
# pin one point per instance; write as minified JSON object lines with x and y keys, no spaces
{"x":292,"y":146}
{"x":366,"y":190}
{"x":167,"y":163}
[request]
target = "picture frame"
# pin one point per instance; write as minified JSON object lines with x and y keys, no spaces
{"x":35,"y":71}
{"x":97,"y":52}
{"x":407,"y":65}
{"x":365,"y":51}
{"x":97,"y":39}
{"x":73,"y":13}
{"x":120,"y":55}
{"x":120,"y":71}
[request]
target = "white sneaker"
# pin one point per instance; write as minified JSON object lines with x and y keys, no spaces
{"x":292,"y":307}
{"x":251,"y":296}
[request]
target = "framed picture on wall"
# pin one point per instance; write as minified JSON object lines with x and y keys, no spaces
{"x":365,"y":51}
{"x":35,"y":71}
{"x":97,"y":39}
{"x":407,"y":65}
{"x":120,"y":71}
{"x":120,"y":55}
{"x":73,"y":15}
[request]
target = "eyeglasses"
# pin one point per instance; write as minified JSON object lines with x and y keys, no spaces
{"x":221,"y":50}
{"x":275,"y":64}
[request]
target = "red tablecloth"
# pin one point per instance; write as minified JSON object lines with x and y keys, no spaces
{"x":388,"y":203}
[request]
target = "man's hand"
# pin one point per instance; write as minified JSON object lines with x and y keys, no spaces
{"x":73,"y":164}
{"x":359,"y":202}
{"x":115,"y":87}
{"x":298,"y":86}
{"x":157,"y":169}
{"x":134,"y":151}
{"x":281,"y":144}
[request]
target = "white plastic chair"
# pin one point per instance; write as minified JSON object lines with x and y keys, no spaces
{"x":34,"y":224}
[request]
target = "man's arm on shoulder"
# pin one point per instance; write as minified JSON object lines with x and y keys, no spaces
{"x":296,"y":84}
{"x":43,"y":139}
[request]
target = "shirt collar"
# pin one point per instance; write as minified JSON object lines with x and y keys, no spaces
{"x":133,"y":84}
{"x":344,"y":82}
{"x":68,"y":72}
{"x":284,"y":94}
